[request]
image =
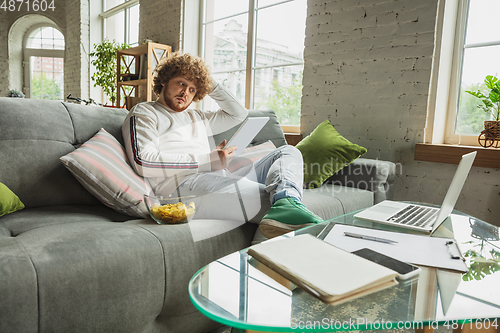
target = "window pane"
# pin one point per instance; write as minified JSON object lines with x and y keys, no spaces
{"x":216,"y":9}
{"x":134,"y":26}
{"x":483,"y":23}
{"x":226,"y":44}
{"x":281,"y":36}
{"x":478,"y":63}
{"x":58,"y":40}
{"x":115,"y":27}
{"x":46,"y":38}
{"x":280,"y":89}
{"x":108,"y":4}
{"x":234,"y":82}
{"x":278,"y":57}
{"x":47,"y":78}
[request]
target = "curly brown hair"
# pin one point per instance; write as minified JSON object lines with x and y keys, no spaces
{"x":189,"y":66}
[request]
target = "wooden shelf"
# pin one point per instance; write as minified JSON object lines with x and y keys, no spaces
{"x":141,"y":60}
{"x":133,"y":82}
{"x":143,"y":49}
{"x":451,"y":154}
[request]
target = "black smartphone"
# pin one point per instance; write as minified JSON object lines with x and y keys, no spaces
{"x":404,"y":269}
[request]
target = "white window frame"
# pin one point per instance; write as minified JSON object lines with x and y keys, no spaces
{"x":446,"y":75}
{"x":98,"y":33}
{"x":32,"y":52}
{"x":455,"y":81}
{"x":251,"y":67}
{"x":125,"y":7}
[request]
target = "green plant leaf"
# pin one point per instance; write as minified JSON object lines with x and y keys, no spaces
{"x":478,"y":94}
{"x":104,"y":59}
{"x":490,"y":99}
{"x":494,"y":96}
{"x":490,"y":81}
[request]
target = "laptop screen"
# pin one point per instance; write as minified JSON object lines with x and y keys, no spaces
{"x":455,"y":188}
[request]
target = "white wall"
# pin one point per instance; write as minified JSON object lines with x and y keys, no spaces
{"x":367,"y":69}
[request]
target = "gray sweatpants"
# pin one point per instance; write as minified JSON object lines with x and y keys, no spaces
{"x":247,"y":193}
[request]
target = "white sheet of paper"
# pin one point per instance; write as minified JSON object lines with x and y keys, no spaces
{"x":415,"y":249}
{"x":245,"y":134}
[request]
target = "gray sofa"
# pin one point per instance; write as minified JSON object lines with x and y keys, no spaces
{"x":70,"y":264}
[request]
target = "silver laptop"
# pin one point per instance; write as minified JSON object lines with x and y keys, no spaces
{"x":417,"y":217}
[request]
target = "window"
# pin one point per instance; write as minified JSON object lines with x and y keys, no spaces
{"x":121,"y":21}
{"x":44,"y":54}
{"x":473,"y":56}
{"x":255,"y":50}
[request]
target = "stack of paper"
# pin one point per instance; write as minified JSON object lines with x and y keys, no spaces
{"x":416,"y":249}
{"x":325,"y":271}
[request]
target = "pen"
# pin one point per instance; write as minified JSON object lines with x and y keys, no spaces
{"x":376,"y":239}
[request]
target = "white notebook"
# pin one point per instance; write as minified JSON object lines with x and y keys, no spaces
{"x":323,"y":270}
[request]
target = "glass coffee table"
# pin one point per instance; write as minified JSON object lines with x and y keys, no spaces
{"x":236,"y":292}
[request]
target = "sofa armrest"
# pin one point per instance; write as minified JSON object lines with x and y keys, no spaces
{"x":368,"y":174}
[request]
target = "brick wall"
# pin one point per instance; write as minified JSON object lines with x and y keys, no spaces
{"x":367,"y":70}
{"x":76,"y":78}
{"x":4,"y":56}
{"x":160,"y":21}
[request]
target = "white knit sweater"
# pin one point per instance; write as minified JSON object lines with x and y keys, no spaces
{"x":166,"y":147}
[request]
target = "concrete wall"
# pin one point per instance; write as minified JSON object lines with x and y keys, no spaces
{"x":71,"y":17}
{"x":367,"y":69}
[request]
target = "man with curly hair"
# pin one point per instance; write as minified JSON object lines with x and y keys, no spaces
{"x":168,"y":144}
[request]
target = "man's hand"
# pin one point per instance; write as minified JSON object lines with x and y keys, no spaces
{"x":220,"y":156}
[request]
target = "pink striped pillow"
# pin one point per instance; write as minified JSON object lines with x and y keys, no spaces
{"x":250,"y":155}
{"x":102,"y":167}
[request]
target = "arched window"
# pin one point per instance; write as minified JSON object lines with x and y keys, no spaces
{"x":44,"y":63}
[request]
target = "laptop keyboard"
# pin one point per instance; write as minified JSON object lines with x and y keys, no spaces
{"x":415,"y":216}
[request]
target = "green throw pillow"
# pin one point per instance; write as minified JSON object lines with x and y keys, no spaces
{"x":325,"y":152}
{"x":9,"y":202}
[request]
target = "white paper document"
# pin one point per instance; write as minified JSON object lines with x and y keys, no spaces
{"x":415,"y":249}
{"x":245,"y":134}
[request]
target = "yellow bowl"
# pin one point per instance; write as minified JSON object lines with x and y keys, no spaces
{"x":171,"y":210}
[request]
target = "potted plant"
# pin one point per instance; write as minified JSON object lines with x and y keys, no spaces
{"x":491,"y":105}
{"x":15,"y":93}
{"x":104,"y":60}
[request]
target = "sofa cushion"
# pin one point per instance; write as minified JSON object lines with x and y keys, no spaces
{"x":102,"y":167}
{"x":188,"y":247}
{"x":35,"y":134}
{"x":38,"y":217}
{"x":331,"y":200}
{"x":271,"y":131}
{"x":9,"y":202}
{"x":94,"y":276}
{"x":88,"y":119}
{"x":18,"y":287}
{"x":367,"y":174}
{"x":325,"y":152}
